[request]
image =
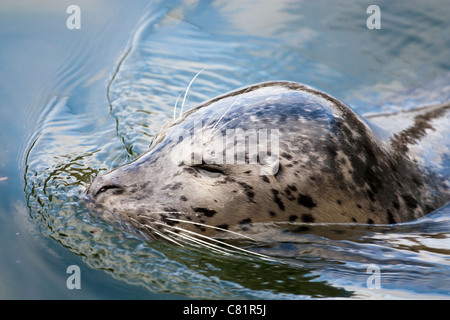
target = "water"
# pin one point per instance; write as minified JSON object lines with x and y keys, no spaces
{"x":76,"y":103}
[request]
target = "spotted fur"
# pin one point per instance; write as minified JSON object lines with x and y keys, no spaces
{"x":333,"y":168}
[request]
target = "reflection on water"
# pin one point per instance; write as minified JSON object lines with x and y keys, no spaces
{"x":238,"y":47}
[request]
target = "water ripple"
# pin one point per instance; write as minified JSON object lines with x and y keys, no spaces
{"x":162,"y":57}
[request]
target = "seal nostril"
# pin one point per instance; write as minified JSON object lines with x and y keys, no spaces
{"x":116,"y":189}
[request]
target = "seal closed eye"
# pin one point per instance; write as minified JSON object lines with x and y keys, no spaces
{"x":277,"y":151}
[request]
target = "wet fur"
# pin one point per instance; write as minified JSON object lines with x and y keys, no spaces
{"x":333,"y":169}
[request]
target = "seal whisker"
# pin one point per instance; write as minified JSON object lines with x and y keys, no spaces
{"x":209,"y":238}
{"x":221,"y":117}
{"x":213,"y":133}
{"x":187,"y":90}
{"x":154,"y":230}
{"x":176,"y":104}
{"x":221,"y":242}
{"x":217,"y":122}
{"x":201,"y":242}
{"x":162,"y":235}
{"x":208,"y":226}
{"x":159,"y":212}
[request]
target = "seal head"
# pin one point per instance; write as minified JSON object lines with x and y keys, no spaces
{"x":275,"y":151}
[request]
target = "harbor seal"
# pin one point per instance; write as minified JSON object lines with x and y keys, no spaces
{"x":308,"y":158}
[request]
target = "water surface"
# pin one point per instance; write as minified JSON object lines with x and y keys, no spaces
{"x":76,"y":103}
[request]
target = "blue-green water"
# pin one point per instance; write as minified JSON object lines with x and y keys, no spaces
{"x":74,"y":103}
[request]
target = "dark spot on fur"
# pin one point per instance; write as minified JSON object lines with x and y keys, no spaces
{"x":411,"y":134}
{"x":134,"y":189}
{"x":395,"y":204}
{"x":371,"y":195}
{"x":117,"y":191}
{"x":373,"y":188}
{"x":410,"y":201}
{"x":277,"y":199}
{"x":223,"y":226}
{"x":176,"y":186}
{"x":306,"y":217}
{"x":392,"y":166}
{"x":354,"y":220}
{"x":286,"y":156}
{"x":369,"y":221}
{"x":229,"y":179}
{"x":339,"y":202}
{"x":248,"y":172}
{"x":390,"y":217}
{"x":288,"y":194}
{"x":359,"y":206}
{"x":272,"y":214}
{"x":292,"y":218}
{"x":302,"y":229}
{"x":139,"y":198}
{"x":331,"y":150}
{"x":417,"y":182}
{"x":247,"y":220}
{"x":206,"y":212}
{"x":248,"y":190}
{"x":292,"y":187}
{"x":165,"y":219}
{"x":245,"y":186}
{"x":200,"y":227}
{"x":190,"y":170}
{"x":183,"y":198}
{"x":306,"y":201}
{"x":373,"y":179}
{"x":265,"y":179}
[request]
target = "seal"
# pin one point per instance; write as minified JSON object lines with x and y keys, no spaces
{"x":279,"y":151}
